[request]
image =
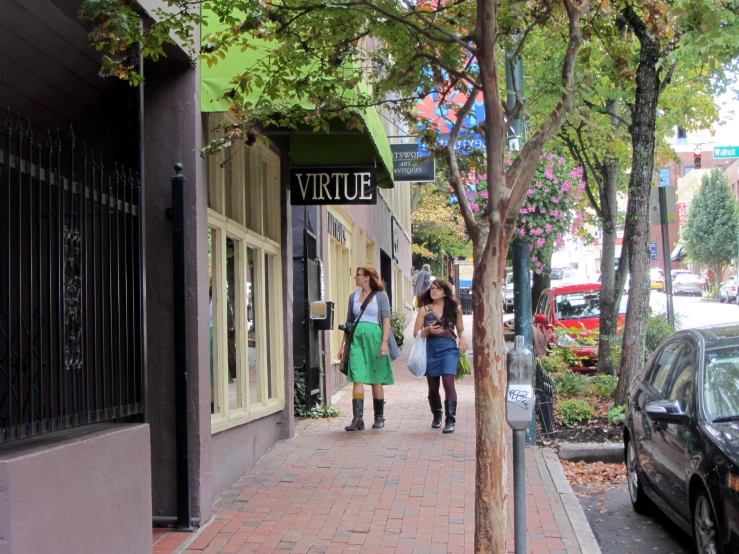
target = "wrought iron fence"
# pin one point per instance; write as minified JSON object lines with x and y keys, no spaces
{"x":70,"y":285}
{"x":544,"y":390}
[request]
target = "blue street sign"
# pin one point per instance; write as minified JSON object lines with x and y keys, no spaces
{"x":653,"y":249}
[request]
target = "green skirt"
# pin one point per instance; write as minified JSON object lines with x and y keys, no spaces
{"x":365,"y":363}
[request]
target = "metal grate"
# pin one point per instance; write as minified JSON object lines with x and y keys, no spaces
{"x":70,"y":286}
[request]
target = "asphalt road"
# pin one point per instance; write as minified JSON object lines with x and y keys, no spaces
{"x":620,"y":530}
{"x":693,"y":311}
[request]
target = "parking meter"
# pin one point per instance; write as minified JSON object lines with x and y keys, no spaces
{"x":520,"y":403}
{"x":520,"y":399}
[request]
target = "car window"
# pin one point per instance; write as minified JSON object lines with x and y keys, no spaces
{"x":680,"y":386}
{"x":578,"y":305}
{"x":662,"y":365}
{"x":720,"y":394}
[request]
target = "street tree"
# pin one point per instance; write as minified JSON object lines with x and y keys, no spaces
{"x":671,"y":34}
{"x":438,"y":229}
{"x":713,"y":223}
{"x":597,"y":137}
{"x":319,"y":53}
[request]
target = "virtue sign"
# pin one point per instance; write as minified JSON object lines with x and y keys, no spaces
{"x":333,"y":185}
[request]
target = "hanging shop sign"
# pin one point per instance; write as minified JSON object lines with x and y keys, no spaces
{"x":409,"y":166}
{"x":395,"y":237}
{"x":310,"y":186}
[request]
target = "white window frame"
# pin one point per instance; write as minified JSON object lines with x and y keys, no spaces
{"x":221,"y":228}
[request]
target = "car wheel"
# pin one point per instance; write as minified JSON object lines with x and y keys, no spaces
{"x":705,"y":528}
{"x":638,"y":497}
{"x":720,"y":298}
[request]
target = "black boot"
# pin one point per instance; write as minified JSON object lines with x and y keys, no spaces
{"x":379,"y":406}
{"x":436,"y":410}
{"x":451,"y":416}
{"x":357,"y":423}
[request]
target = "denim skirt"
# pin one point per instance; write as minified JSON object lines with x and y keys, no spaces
{"x":442,"y":356}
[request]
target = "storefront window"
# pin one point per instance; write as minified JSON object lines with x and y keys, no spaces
{"x":233,"y":319}
{"x":254,"y":326}
{"x":247,"y":352}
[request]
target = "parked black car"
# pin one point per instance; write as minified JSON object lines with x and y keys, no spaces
{"x":681,"y":435}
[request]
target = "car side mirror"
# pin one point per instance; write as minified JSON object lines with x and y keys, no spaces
{"x":666,"y":411}
{"x":541,"y":319}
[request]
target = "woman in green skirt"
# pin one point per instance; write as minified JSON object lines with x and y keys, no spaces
{"x":369,"y":362}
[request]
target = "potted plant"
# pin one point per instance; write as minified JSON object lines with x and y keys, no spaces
{"x":397,"y":327}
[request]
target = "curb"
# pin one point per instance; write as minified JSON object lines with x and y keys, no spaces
{"x":583,"y":532}
{"x":612,"y":453}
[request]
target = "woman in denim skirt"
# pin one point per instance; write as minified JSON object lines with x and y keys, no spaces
{"x":439,"y":320}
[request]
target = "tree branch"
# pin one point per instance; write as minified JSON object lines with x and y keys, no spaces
{"x":454,"y":177}
{"x":604,"y":111}
{"x":458,"y":74}
{"x":522,"y":170}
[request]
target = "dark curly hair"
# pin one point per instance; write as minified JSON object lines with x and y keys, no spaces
{"x":451,"y":305}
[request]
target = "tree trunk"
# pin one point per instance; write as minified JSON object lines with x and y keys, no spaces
{"x":491,"y":481}
{"x":637,"y":214}
{"x":610,"y":290}
{"x":543,"y":280}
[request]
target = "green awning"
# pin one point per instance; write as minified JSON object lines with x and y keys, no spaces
{"x":314,"y":149}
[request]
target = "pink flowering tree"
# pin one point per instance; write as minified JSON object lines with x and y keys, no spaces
{"x":553,"y":207}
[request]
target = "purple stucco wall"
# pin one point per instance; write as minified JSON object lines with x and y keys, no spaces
{"x":174,"y":134}
{"x":88,"y":489}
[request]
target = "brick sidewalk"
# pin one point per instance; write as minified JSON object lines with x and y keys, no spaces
{"x":403,"y":489}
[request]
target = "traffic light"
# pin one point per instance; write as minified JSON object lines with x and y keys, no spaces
{"x":697,"y":159}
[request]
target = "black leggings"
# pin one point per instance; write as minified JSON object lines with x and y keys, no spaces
{"x":450,"y":392}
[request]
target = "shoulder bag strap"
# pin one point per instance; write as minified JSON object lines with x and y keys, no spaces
{"x":366,"y":302}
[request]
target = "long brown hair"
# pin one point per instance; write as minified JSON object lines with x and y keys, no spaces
{"x":451,"y":306}
{"x":374,"y":278}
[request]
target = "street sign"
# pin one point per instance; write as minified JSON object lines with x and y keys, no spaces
{"x":653,"y":250}
{"x":654,"y":205}
{"x":726,"y":151}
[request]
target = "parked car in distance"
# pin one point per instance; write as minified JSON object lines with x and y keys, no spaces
{"x":656,"y":279}
{"x":687,"y":283}
{"x":681,"y":435}
{"x":727,"y":291}
{"x":556,"y":273}
{"x":574,"y":307}
{"x":675,"y":272}
{"x":572,"y":277}
{"x":508,"y":293}
{"x":508,"y":296}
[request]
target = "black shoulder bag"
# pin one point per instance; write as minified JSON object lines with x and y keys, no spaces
{"x":344,"y":364}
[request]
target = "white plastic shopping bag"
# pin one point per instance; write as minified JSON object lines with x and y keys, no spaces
{"x":417,"y":358}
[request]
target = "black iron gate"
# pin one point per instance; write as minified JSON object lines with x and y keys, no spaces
{"x":313,"y":357}
{"x":71,"y":350}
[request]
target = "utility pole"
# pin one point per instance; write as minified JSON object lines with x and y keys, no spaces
{"x":521,"y":248}
{"x":525,"y":432}
{"x":666,"y":255}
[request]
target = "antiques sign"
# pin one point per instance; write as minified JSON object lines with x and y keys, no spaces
{"x":408,"y":166}
{"x":311,"y":186}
